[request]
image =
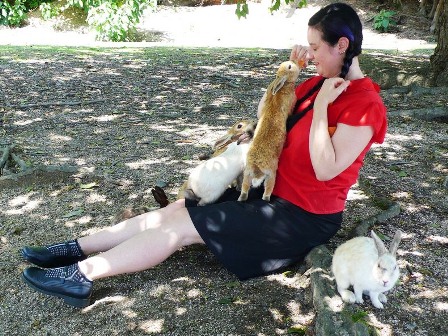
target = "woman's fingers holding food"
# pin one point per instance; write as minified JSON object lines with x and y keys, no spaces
{"x":298,"y":55}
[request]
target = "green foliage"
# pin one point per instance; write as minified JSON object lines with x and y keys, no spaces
{"x":384,"y":20}
{"x":12,"y":15}
{"x":113,"y":20}
{"x":275,"y":4}
{"x":242,"y":8}
{"x":300,"y":330}
{"x":48,"y":11}
{"x":33,"y":4}
{"x":359,"y":316}
{"x":116,"y":20}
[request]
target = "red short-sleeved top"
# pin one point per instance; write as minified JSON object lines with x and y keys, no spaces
{"x":359,"y":105}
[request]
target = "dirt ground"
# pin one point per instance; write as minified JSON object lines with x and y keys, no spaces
{"x":131,"y":118}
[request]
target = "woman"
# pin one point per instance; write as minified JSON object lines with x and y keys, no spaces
{"x":337,"y":117}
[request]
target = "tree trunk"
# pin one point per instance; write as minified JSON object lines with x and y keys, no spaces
{"x":439,"y":68}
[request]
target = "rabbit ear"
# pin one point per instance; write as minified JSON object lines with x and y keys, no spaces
{"x":395,"y":242}
{"x":278,"y":83}
{"x":222,"y":141}
{"x":378,"y":243}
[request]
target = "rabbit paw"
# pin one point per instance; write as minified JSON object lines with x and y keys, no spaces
{"x":347,"y":296}
{"x":382,"y":298}
{"x":243,"y":196}
{"x":377,"y":304}
{"x":376,"y":298}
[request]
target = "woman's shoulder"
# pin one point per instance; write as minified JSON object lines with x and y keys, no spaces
{"x":364,"y":84}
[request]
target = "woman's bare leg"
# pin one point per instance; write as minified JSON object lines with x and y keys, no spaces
{"x":147,"y":246}
{"x":115,"y":235}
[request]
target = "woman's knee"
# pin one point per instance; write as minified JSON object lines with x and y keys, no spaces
{"x":183,"y":225}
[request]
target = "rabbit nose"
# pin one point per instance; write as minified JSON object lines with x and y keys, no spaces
{"x":385,"y":282}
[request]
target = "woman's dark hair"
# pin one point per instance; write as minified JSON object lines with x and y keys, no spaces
{"x":339,"y":20}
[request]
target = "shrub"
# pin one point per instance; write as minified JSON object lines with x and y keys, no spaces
{"x":116,"y":20}
{"x":12,"y":15}
{"x":383,"y":21}
{"x":113,"y":20}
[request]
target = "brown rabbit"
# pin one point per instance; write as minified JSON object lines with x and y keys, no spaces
{"x":270,"y":134}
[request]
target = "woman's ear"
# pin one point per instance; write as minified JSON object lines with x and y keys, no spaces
{"x":343,"y":45}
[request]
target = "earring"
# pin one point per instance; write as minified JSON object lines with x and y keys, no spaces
{"x":341,"y":52}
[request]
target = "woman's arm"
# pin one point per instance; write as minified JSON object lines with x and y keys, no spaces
{"x":332,"y":155}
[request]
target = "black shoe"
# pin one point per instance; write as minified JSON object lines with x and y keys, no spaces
{"x":64,"y":282}
{"x":57,"y":255}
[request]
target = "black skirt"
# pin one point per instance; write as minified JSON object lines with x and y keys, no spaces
{"x":255,"y":237}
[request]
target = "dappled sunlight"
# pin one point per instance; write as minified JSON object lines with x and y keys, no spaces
{"x":122,"y":300}
{"x":79,"y":221}
{"x":152,"y":326}
{"x":299,"y":315}
{"x":194,"y":293}
{"x":437,"y":239}
{"x":94,"y":197}
{"x":59,"y":138}
{"x":356,"y":194}
{"x":297,"y":281}
{"x":441,"y":306}
{"x":23,"y":204}
{"x":276,"y":314}
{"x":27,"y":122}
{"x":185,"y":280}
{"x":385,"y":329}
{"x":106,"y":117}
{"x":401,"y":195}
{"x":404,"y":138}
{"x":146,"y":163}
{"x":414,"y":253}
{"x":180,"y":311}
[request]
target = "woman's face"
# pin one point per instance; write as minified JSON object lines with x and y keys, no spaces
{"x":326,"y":58}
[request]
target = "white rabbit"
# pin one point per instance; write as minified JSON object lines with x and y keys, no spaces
{"x":368,"y":266}
{"x":208,"y":181}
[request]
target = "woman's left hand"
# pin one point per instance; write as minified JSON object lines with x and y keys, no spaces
{"x":330,"y":90}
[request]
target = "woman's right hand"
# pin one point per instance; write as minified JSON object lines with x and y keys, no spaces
{"x":299,"y":55}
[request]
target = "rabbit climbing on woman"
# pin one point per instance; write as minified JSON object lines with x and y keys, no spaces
{"x":270,"y":134}
{"x":367,"y":265}
{"x":208,"y":181}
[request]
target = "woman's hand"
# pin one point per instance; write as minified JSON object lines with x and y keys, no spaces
{"x":299,"y":55}
{"x":330,"y":90}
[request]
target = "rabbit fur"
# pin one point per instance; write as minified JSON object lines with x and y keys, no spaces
{"x":368,"y":266}
{"x":270,"y":134}
{"x":208,"y":181}
{"x":233,"y":134}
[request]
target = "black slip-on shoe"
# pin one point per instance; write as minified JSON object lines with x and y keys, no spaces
{"x":60,"y":283}
{"x":54,"y":256}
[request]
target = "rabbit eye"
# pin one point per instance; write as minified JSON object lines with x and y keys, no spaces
{"x":239,"y":126}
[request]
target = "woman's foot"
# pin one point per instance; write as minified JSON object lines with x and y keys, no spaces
{"x":56,"y":255}
{"x":65,"y":282}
